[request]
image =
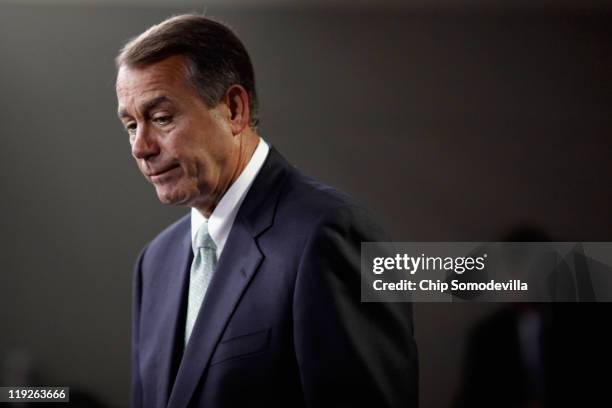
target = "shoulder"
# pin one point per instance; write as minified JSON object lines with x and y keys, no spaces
{"x":166,"y":241}
{"x":173,"y":232}
{"x":315,"y":206}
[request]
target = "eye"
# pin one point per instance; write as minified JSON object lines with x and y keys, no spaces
{"x":131,"y":128}
{"x":163,"y":120}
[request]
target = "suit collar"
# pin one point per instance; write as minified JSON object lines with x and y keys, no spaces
{"x":258,"y":209}
{"x":236,"y":267}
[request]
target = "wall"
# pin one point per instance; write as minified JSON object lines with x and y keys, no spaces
{"x":448,"y":125}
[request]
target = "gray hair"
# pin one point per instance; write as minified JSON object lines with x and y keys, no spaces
{"x":216,"y":58}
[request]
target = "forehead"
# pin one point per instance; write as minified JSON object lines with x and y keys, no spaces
{"x":168,"y":76}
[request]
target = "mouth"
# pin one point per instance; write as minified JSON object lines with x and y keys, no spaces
{"x":155,"y":175}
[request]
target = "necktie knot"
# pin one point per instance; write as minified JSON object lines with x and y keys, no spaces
{"x":203,"y":239}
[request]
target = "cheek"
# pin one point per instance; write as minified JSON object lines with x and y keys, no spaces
{"x":194,"y":154}
{"x":176,"y":146}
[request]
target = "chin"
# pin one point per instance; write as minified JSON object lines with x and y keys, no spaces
{"x":172,"y":197}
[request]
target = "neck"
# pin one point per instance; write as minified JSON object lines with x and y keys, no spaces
{"x":247,"y":144}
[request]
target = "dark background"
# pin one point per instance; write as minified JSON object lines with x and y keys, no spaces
{"x":450,"y":124}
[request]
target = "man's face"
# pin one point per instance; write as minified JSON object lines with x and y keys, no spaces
{"x":186,"y":150}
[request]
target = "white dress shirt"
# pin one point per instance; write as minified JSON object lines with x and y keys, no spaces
{"x":222,"y":218}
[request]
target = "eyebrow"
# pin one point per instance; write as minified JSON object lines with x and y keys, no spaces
{"x":147,"y":106}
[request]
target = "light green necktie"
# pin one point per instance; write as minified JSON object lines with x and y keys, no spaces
{"x":202,"y":267}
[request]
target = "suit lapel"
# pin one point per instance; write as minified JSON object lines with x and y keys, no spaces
{"x":238,"y":264}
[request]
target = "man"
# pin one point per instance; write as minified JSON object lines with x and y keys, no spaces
{"x":252,"y":299}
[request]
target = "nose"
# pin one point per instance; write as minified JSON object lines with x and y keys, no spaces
{"x":144,"y":144}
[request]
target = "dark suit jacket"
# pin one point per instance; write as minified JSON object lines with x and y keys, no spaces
{"x":282,"y":324}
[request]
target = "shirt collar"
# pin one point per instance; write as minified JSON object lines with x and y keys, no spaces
{"x":222,"y":218}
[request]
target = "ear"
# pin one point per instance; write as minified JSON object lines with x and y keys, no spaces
{"x":237,"y":101}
